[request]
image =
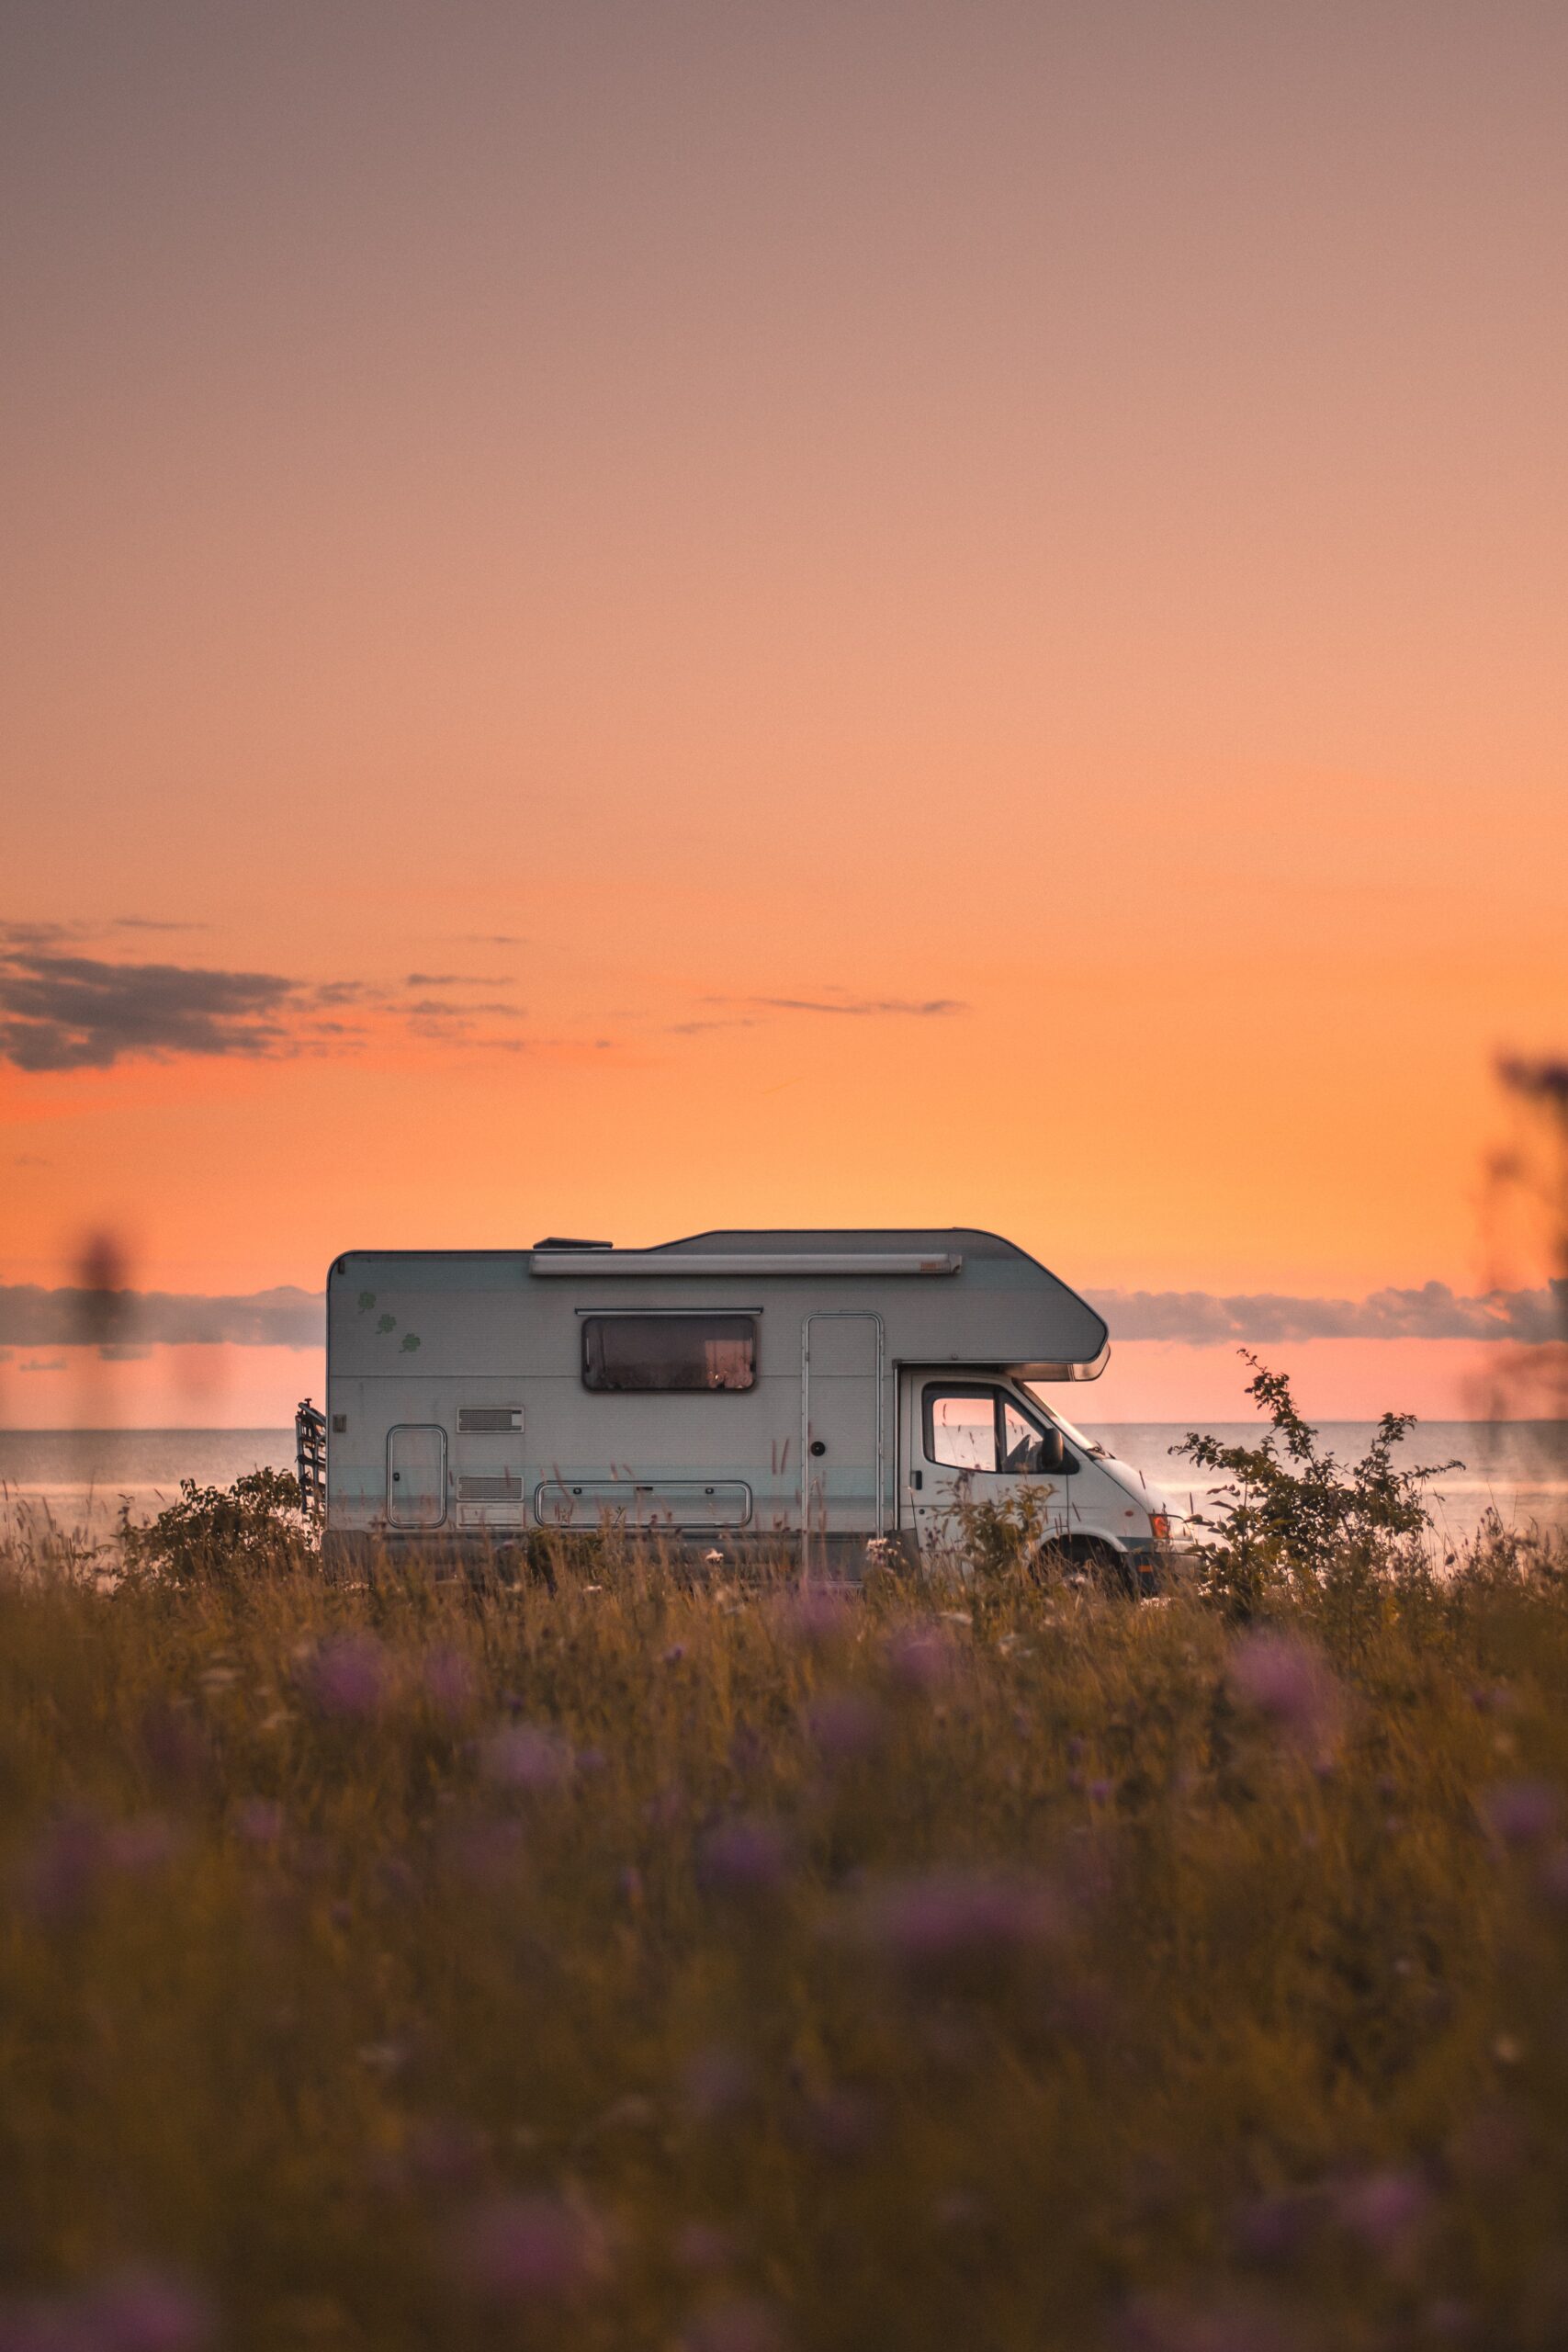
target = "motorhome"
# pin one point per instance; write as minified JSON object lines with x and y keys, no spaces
{"x":822,"y":1396}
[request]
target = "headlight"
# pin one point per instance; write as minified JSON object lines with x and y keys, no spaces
{"x":1159,"y":1526}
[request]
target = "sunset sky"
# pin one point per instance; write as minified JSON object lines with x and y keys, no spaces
{"x":624,"y":618}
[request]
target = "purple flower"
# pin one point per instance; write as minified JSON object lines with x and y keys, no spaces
{"x":716,"y":2083}
{"x":1288,"y":1681}
{"x":844,"y":1725}
{"x":173,"y":1745}
{"x":59,"y":1877}
{"x":445,"y":2152}
{"x":813,"y":1617}
{"x":1153,"y":2325}
{"x":737,"y":2326}
{"x":145,"y":2311}
{"x":449,"y":1681}
{"x":842,"y":2123}
{"x":529,"y":2249}
{"x":701,"y":2245}
{"x":922,"y":1658}
{"x":259,"y":1822}
{"x":1273,"y":2228}
{"x":135,"y":2310}
{"x":485,"y":1852}
{"x":528,"y":1756}
{"x":1520,"y":1813}
{"x":346,"y":1675}
{"x":743,"y":1855}
{"x":1384,"y":2209}
{"x":960,"y":1920}
{"x":148,"y":1843}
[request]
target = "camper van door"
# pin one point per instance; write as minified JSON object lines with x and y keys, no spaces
{"x":843,"y":1440}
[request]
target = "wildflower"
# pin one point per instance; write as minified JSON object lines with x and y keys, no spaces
{"x":528,"y":1756}
{"x":842,"y":2123}
{"x":445,"y":2152}
{"x":1383,"y":2209}
{"x":174,"y":1745}
{"x":922,"y":1658}
{"x":958,"y":1920}
{"x":701,"y":2245}
{"x":1274,"y":2228}
{"x":59,"y":1877}
{"x":743,"y":1855}
{"x":529,"y":2249}
{"x":674,"y":1655}
{"x":844,"y":1725}
{"x":1288,"y":1681}
{"x":346,"y":1675}
{"x":1520,"y":1813}
{"x":717,"y":2081}
{"x":136,"y":2310}
{"x":740,"y":2325}
{"x":450,"y":1682}
{"x":813,"y":1617}
{"x":259,"y":1822}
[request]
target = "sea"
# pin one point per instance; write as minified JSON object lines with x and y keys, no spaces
{"x":81,"y":1479}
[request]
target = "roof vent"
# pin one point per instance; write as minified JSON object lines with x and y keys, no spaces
{"x":554,"y":1241}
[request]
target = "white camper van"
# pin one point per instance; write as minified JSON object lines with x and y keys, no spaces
{"x":809,"y":1392}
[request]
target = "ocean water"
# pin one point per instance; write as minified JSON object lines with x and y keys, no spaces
{"x":81,"y":1478}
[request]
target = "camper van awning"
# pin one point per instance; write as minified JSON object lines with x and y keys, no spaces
{"x":691,"y":1266}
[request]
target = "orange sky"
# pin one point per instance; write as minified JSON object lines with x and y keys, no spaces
{"x":676,"y":514}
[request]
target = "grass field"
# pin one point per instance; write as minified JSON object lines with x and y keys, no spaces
{"x":631,"y":1964}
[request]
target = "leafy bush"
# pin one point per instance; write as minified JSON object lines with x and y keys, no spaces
{"x":223,"y":1534}
{"x":1291,"y":1515}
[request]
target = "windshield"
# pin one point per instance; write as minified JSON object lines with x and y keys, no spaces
{"x":1088,"y":1444}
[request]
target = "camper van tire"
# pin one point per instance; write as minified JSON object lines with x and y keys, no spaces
{"x":1099,"y":1565}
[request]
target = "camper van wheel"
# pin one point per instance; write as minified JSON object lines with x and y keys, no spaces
{"x":1103,"y":1567}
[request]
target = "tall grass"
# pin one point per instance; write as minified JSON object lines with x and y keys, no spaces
{"x":636,"y":1965}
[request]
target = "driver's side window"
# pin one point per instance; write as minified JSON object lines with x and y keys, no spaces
{"x":961,"y":1427}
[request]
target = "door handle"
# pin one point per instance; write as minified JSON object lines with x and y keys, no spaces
{"x":917,"y":1479}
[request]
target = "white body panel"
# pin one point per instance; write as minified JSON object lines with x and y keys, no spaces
{"x":457,"y":1403}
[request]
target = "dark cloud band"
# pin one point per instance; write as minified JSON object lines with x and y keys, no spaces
{"x":289,"y":1318}
{"x":60,"y":1011}
{"x":1530,"y":1318}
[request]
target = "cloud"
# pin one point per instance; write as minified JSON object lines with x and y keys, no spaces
{"x":56,"y":1363}
{"x":79,"y":1012}
{"x":1434,"y":1312}
{"x":149,"y":923}
{"x":854,"y":1008}
{"x":457,"y":980}
{"x":122,"y":1321}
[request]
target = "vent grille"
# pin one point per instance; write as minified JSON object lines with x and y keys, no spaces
{"x":504,"y":1488}
{"x":488,"y":1420}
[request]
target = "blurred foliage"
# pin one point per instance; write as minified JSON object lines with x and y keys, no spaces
{"x":741,"y":1967}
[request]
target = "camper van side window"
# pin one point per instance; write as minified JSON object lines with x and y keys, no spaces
{"x":668,"y":1354}
{"x":961,"y":1427}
